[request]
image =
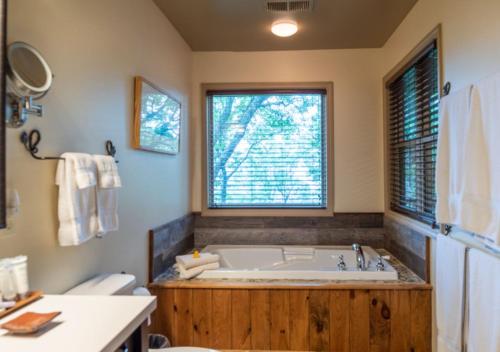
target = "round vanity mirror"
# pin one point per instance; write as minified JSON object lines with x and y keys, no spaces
{"x":28,"y":78}
{"x":28,"y":72}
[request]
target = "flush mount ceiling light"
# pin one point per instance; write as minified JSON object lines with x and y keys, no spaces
{"x":284,"y":28}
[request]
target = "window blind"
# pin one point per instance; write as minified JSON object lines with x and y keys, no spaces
{"x":413,"y":132}
{"x":267,"y":149}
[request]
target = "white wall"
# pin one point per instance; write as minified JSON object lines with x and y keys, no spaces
{"x":95,"y":48}
{"x":357,"y":124}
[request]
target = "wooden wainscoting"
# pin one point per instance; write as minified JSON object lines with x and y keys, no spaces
{"x":297,"y":319}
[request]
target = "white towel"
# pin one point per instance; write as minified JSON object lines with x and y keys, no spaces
{"x":77,"y":204}
{"x":107,"y":194}
{"x":188,"y":261}
{"x":452,"y":155}
{"x":185,"y":273}
{"x":484,"y":303}
{"x":481,"y":196}
{"x":450,"y":271}
{"x":107,"y":172}
{"x":85,"y":169}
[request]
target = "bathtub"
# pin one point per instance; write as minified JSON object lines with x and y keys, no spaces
{"x":294,"y":263}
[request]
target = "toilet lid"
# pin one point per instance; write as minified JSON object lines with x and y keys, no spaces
{"x":183,"y":349}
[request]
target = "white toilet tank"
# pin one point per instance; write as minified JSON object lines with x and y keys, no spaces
{"x":105,"y":285}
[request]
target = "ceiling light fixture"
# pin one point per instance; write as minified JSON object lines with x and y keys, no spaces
{"x":284,"y":28}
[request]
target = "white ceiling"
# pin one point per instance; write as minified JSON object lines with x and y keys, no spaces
{"x":244,"y":25}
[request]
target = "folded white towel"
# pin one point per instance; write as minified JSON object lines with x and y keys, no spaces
{"x":452,"y":155}
{"x":185,"y":273}
{"x":85,"y":169}
{"x":188,"y":261}
{"x":107,"y":172}
{"x":77,"y":200}
{"x":107,"y":194}
{"x":484,"y":303}
{"x":450,"y":272}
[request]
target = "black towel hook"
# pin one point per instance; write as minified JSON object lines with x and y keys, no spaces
{"x":446,"y":89}
{"x":110,"y":149}
{"x":31,"y":142}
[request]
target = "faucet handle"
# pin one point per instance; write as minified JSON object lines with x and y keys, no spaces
{"x":341,"y":264}
{"x":380,"y":264}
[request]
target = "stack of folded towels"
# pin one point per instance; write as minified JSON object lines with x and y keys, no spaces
{"x":191,"y":265}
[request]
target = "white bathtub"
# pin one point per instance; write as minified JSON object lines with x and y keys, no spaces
{"x":294,"y":263}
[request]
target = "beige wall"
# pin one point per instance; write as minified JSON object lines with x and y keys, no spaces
{"x":357,"y":124}
{"x":471,"y":33}
{"x":95,"y":48}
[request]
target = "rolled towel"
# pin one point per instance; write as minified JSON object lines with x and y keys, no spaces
{"x":190,"y":273}
{"x":188,"y":261}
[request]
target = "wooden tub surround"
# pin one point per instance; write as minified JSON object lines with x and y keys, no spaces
{"x":296,"y":315}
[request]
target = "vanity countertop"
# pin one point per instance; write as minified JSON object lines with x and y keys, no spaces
{"x":87,"y":323}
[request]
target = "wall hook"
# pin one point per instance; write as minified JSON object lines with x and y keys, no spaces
{"x":447,"y":89}
{"x":31,"y":142}
{"x":110,"y":149}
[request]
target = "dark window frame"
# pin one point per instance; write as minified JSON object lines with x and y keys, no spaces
{"x":411,"y":132}
{"x":232,"y":88}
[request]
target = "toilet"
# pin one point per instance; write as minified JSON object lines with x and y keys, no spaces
{"x":120,"y":284}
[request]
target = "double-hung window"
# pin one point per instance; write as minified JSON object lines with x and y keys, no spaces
{"x":267,"y":149}
{"x":413,"y":116}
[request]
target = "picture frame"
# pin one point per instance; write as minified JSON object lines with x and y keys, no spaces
{"x":157,"y":118}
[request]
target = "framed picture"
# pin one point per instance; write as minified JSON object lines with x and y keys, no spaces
{"x":157,"y":119}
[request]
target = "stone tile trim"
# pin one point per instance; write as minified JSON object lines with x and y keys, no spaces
{"x":167,"y":241}
{"x":408,"y":245}
{"x":340,"y":229}
{"x":339,"y":220}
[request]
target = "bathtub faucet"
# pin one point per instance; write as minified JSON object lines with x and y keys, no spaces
{"x":360,"y":257}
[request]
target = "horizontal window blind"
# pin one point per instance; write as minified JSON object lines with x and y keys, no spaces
{"x":413,"y":132}
{"x":266,"y":149}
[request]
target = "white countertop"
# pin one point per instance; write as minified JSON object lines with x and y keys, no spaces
{"x":86,"y":324}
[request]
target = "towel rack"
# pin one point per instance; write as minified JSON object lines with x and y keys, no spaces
{"x":445,"y":229}
{"x":33,"y":138}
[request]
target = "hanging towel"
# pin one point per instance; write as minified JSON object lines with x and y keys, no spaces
{"x":450,"y":272}
{"x":481,"y":196}
{"x":76,"y":179}
{"x":185,"y":273}
{"x":188,"y":261}
{"x":484,"y":302}
{"x":108,"y":181}
{"x":107,"y":172}
{"x":85,"y":169}
{"x":451,"y":164}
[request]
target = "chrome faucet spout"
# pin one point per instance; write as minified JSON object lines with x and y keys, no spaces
{"x":360,"y":256}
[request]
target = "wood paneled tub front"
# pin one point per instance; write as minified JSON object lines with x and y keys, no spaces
{"x":301,"y":315}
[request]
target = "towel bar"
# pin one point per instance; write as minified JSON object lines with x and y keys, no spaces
{"x":33,"y":138}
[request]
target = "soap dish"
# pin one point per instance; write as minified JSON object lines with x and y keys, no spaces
{"x":29,"y":322}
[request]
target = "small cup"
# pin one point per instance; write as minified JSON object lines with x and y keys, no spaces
{"x":7,"y":286}
{"x":19,"y":274}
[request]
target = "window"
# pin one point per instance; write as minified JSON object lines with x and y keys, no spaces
{"x":267,"y":149}
{"x":413,"y":103}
